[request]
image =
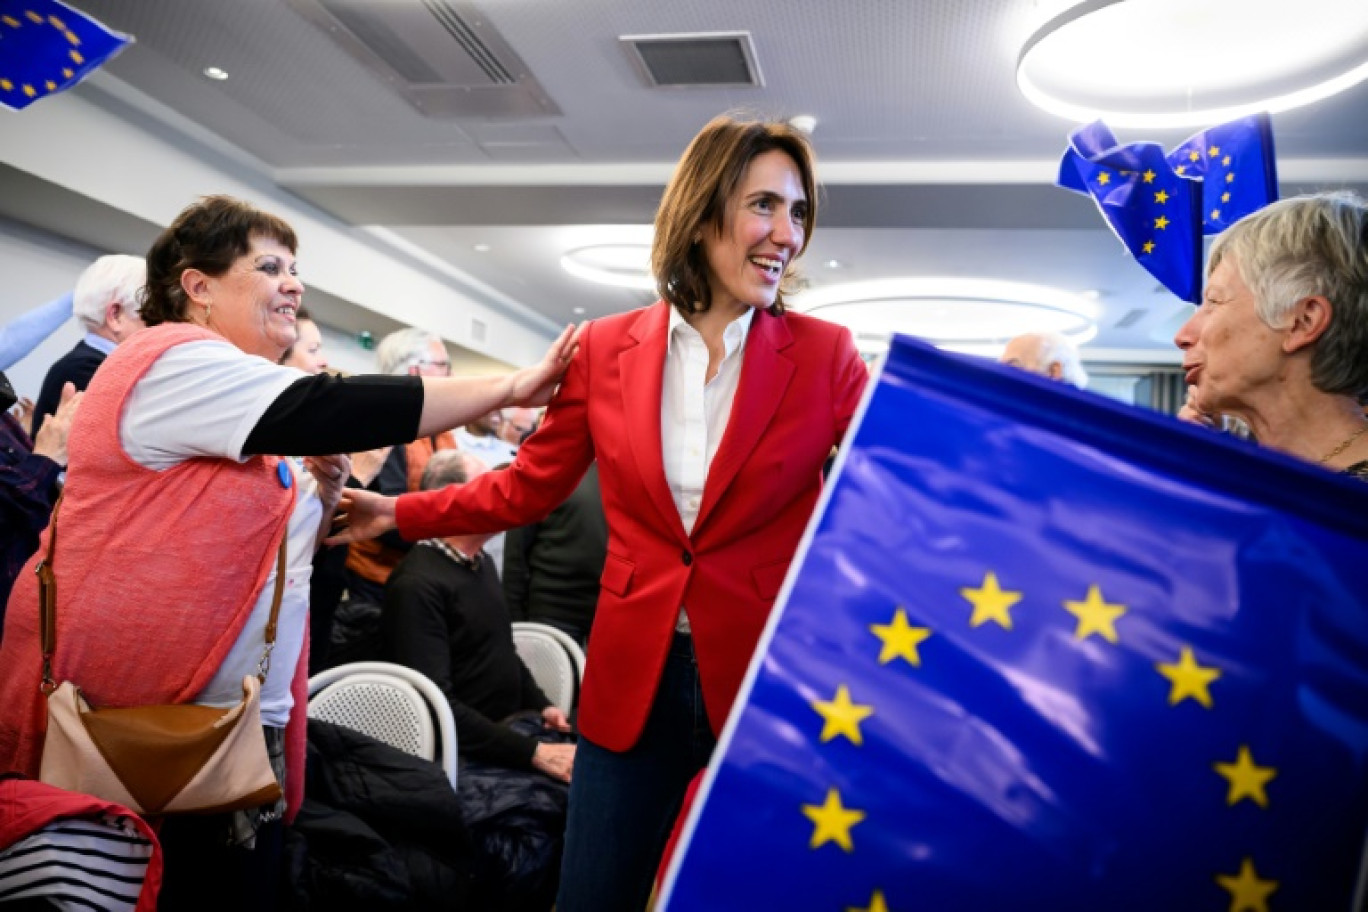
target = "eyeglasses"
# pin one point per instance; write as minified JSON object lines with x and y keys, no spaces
{"x":429,"y":362}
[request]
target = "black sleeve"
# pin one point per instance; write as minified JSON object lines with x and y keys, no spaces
{"x":515,"y":576}
{"x":323,"y":414}
{"x":392,"y":481}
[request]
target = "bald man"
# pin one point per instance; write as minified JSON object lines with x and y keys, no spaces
{"x":1048,"y":354}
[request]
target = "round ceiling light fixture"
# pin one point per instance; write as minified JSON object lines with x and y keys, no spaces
{"x":1175,"y":63}
{"x":622,"y":265}
{"x":971,"y":315}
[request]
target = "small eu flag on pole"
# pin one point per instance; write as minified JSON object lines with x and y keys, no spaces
{"x":1041,"y":650}
{"x":1151,"y":208}
{"x":1237,"y":167}
{"x":47,"y":47}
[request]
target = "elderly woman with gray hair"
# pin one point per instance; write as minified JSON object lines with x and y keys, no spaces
{"x":1280,"y":338}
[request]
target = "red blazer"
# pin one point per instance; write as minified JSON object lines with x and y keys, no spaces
{"x":800,"y":383}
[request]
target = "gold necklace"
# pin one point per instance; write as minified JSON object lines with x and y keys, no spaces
{"x":1344,"y":444}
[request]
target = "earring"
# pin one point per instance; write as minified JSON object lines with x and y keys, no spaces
{"x":208,"y":311}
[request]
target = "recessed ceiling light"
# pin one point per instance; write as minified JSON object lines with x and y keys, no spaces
{"x":957,"y":313}
{"x":481,"y":248}
{"x":804,"y":123}
{"x":833,"y":264}
{"x":216,"y":73}
{"x":623,"y":265}
{"x":577,"y":310}
{"x":1221,"y":59}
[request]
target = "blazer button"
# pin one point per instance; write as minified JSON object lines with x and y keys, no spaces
{"x":687,"y":558}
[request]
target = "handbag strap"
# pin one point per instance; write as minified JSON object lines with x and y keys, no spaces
{"x":47,"y":605}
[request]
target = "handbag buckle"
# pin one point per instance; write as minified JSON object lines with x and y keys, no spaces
{"x":264,"y":665}
{"x":49,"y":684}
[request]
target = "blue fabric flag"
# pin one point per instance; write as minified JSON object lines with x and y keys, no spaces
{"x":47,"y":47}
{"x":1041,"y":650}
{"x":1237,"y":167}
{"x":1152,"y":209}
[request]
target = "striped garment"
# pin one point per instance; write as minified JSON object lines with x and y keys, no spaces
{"x":78,"y":864}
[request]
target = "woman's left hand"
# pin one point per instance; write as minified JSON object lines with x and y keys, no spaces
{"x":552,"y":717}
{"x":533,"y":386}
{"x":331,"y":473}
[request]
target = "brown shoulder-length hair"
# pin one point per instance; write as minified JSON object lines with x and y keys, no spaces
{"x":697,"y":196}
{"x":208,"y":235}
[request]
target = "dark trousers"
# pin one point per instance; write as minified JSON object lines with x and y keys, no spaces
{"x":205,"y":874}
{"x":623,"y":804}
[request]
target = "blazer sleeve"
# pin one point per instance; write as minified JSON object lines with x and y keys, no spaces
{"x":548,"y":466}
{"x":849,"y":376}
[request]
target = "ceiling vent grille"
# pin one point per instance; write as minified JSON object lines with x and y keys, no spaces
{"x":1131,"y":317}
{"x":440,"y":55}
{"x":702,"y":59}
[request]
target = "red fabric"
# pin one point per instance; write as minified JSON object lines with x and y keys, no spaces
{"x":800,"y":384}
{"x":157,"y":571}
{"x":27,"y":806}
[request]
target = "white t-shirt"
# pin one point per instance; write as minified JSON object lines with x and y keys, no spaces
{"x":203,"y":399}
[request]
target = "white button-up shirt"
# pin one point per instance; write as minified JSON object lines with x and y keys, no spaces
{"x":694,"y":411}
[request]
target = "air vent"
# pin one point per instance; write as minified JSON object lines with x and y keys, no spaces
{"x":478,"y":329}
{"x":696,"y":60}
{"x":440,"y":55}
{"x":1132,"y":317}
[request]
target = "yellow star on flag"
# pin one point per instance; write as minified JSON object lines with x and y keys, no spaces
{"x":1194,"y":155}
{"x":1189,"y":679}
{"x":900,"y":640}
{"x":76,"y":56}
{"x":1095,"y":615}
{"x":10,"y":21}
{"x":1104,"y":178}
{"x":51,"y":86}
{"x":841,"y":716}
{"x":6,"y":84}
{"x":1247,"y":779}
{"x":1248,"y":892}
{"x":1148,"y":246}
{"x":1215,"y":214}
{"x":1225,"y":197}
{"x":832,"y":822}
{"x":1230,"y":178}
{"x":1161,"y":196}
{"x":990,"y":602}
{"x":1226,"y":161}
{"x":34,"y":17}
{"x":1214,"y":151}
{"x":1161,"y":222}
{"x":1149,"y":176}
{"x":30,"y":91}
{"x":877,"y":903}
{"x":1181,"y":169}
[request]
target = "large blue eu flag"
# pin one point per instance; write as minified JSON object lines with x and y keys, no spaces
{"x":1151,"y":208}
{"x":46,"y":47}
{"x":1237,"y":167}
{"x":1044,"y":651}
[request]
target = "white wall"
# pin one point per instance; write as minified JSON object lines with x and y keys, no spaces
{"x":38,"y":267}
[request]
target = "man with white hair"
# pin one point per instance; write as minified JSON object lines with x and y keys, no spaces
{"x":106,"y":303}
{"x":1048,"y":354}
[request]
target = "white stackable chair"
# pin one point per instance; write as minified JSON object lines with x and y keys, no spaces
{"x":547,"y":653}
{"x":390,"y":703}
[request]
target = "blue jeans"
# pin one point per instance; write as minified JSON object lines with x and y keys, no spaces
{"x":623,"y":805}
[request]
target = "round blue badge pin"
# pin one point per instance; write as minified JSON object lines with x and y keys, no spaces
{"x":284,"y":474}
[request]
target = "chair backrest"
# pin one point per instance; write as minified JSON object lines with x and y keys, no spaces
{"x":391,"y":703}
{"x":551,"y":665}
{"x":571,"y":645}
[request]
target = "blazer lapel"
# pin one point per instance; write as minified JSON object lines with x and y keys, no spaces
{"x":765,"y":377}
{"x":641,"y":374}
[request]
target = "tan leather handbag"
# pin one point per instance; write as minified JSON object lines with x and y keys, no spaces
{"x":172,"y":759}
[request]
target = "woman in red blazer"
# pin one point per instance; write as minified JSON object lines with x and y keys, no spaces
{"x":710,"y":415}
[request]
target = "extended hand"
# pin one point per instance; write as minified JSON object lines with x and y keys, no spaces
{"x":362,"y":515}
{"x":52,"y":436}
{"x":331,"y":473}
{"x":553,"y":718}
{"x":556,"y":760}
{"x":1190,"y":411}
{"x":534,"y":385}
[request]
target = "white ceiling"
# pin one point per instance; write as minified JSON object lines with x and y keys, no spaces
{"x":933,"y":164}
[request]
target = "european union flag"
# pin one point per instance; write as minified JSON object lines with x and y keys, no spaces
{"x":46,"y":47}
{"x":1237,"y":167}
{"x":1043,"y":651}
{"x":1152,"y":209}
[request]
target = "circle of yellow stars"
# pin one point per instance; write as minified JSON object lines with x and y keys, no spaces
{"x":29,"y":89}
{"x":834,"y":823}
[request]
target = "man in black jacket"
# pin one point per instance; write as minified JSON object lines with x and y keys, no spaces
{"x":445,"y":617}
{"x":106,"y":302}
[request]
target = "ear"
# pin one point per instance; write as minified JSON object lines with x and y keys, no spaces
{"x":195,"y":284}
{"x":113,"y":310}
{"x":1310,"y":319}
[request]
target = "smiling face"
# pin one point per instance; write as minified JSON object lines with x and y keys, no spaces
{"x":761,"y":234}
{"x":255,"y":301}
{"x":1230,"y":356}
